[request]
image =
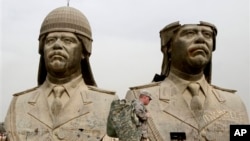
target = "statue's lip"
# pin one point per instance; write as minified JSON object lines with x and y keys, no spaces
{"x":199,"y":48}
{"x":57,"y":54}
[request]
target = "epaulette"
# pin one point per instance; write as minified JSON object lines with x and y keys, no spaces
{"x":93,"y":88}
{"x":26,"y":91}
{"x":224,"y":89}
{"x":145,"y":85}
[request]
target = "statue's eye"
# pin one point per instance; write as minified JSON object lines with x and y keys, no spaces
{"x":190,"y":33}
{"x":50,"y":40}
{"x":68,"y":40}
{"x":207,"y":34}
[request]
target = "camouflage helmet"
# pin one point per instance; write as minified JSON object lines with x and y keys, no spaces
{"x":67,"y":19}
{"x":167,"y":34}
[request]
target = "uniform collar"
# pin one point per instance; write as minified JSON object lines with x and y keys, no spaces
{"x":69,"y":86}
{"x":182,"y":84}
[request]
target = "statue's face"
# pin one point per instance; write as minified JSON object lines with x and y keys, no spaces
{"x":192,"y":47}
{"x":62,"y":53}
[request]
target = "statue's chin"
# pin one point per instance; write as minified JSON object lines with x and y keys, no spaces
{"x":57,"y":66}
{"x":199,"y":61}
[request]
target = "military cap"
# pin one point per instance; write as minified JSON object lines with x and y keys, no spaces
{"x":146,"y":93}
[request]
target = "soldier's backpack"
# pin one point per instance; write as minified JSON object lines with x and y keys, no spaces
{"x":123,"y":122}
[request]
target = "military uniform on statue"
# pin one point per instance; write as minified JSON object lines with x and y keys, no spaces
{"x":185,"y":105}
{"x":66,"y":105}
{"x":78,"y":119}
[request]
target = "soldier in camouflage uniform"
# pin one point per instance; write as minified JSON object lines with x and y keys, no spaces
{"x":66,"y":105}
{"x":2,"y":132}
{"x":127,"y":120}
{"x":142,"y":113}
{"x":185,"y":103}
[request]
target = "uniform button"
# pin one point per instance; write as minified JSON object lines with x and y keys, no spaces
{"x":210,"y":136}
{"x":60,"y":135}
{"x":203,"y":133}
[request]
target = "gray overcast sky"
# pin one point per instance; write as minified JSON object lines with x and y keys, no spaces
{"x":126,"y":47}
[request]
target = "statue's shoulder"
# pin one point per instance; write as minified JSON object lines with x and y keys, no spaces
{"x":223,"y":89}
{"x":99,"y":90}
{"x":133,"y":92}
{"x":149,"y":85}
{"x":26,"y":91}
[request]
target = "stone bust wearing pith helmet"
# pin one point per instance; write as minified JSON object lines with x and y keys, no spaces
{"x":66,"y":104}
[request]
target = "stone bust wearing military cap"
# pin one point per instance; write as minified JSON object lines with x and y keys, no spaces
{"x":185,"y":103}
{"x":66,"y":104}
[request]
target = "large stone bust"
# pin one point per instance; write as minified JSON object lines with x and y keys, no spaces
{"x":66,"y":104}
{"x":177,"y":109}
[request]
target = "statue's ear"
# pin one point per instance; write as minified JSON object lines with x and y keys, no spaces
{"x":165,"y":50}
{"x":169,"y":50}
{"x":82,"y":56}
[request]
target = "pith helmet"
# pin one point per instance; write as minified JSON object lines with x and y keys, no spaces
{"x":67,"y":19}
{"x":166,"y":35}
